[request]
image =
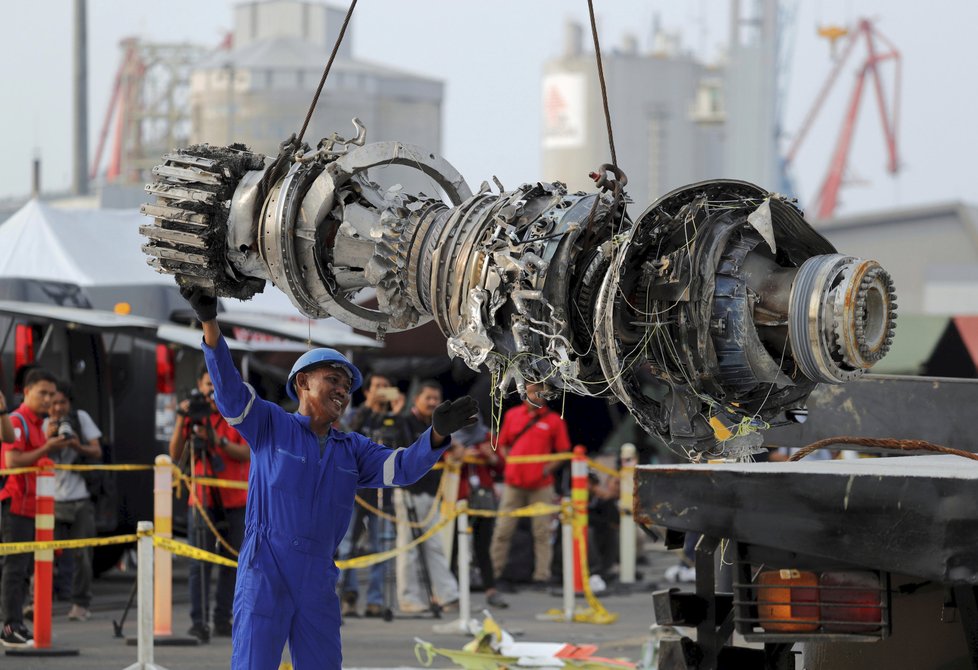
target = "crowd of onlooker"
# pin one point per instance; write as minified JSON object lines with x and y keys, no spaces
{"x":508,"y":553}
{"x":44,"y":424}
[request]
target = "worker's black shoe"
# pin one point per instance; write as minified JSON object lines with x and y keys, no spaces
{"x":200,"y":631}
{"x":495,"y":599}
{"x":16,"y":635}
{"x":374,"y":611}
{"x":222,"y":629}
{"x":504,"y":586}
{"x":348,"y":605}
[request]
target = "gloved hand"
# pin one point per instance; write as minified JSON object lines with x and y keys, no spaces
{"x":203,"y":303}
{"x":452,"y":415}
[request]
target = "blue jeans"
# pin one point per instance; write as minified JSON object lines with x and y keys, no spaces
{"x":224,"y":596}
{"x":378,"y":572}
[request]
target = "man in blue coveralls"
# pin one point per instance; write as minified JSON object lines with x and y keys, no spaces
{"x":304,"y":474}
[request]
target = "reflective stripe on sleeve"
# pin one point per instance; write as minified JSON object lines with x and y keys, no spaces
{"x":241,"y":417}
{"x":389,"y":468}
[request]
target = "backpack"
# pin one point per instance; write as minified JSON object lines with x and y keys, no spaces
{"x":27,"y":436}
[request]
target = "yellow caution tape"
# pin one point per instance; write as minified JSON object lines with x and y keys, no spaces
{"x":203,"y":514}
{"x":594,"y":465}
{"x":435,"y":506}
{"x":541,"y":458}
{"x":183,"y":549}
{"x":596,"y":613}
{"x":218,"y":483}
{"x":105,"y":466}
{"x":76,"y":468}
{"x":372,"y":559}
{"x":8,"y":548}
{"x":18,"y":471}
{"x":536,"y":509}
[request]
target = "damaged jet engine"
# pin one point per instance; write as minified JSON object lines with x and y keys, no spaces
{"x":718,"y":302}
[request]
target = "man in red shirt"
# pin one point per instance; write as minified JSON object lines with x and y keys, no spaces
{"x":217,"y":450}
{"x":528,"y":429}
{"x":18,"y":498}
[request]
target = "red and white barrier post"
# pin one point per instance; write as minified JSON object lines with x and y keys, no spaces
{"x":44,"y":558}
{"x":579,"y":499}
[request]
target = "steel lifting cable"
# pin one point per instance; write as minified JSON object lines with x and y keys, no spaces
{"x":604,"y":89}
{"x":600,"y":177}
{"x":329,"y":64}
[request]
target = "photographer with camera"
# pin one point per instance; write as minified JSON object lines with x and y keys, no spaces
{"x":74,"y":513}
{"x":204,"y":443}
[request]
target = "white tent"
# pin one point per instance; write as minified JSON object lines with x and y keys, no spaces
{"x":81,"y":258}
{"x":93,"y":258}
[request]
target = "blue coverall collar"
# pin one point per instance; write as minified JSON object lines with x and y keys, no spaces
{"x":306,"y":421}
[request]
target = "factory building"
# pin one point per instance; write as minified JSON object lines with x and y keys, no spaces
{"x":676,"y":120}
{"x":258,"y":91}
{"x":666,"y":114}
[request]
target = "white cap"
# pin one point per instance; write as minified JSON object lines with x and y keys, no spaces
{"x":628,"y":451}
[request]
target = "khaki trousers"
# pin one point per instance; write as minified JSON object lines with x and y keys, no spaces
{"x":514,"y":498}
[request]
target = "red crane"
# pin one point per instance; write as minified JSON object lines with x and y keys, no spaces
{"x":828,"y":196}
{"x":125,"y":91}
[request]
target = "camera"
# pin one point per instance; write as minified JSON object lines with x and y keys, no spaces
{"x":199,"y":406}
{"x":388,"y":394}
{"x":65,"y":429}
{"x":198,"y":412}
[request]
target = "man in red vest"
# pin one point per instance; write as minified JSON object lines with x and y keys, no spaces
{"x":18,"y":497}
{"x":217,"y":450}
{"x":529,"y":429}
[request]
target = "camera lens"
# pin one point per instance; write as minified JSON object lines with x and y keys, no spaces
{"x":65,"y":429}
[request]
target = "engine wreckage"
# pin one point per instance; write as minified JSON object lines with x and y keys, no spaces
{"x":718,"y":302}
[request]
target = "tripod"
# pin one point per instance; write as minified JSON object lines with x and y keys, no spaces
{"x":218,"y":518}
{"x":416,"y":532}
{"x":386,"y":541}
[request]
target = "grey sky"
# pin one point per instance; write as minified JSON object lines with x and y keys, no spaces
{"x":490,"y":55}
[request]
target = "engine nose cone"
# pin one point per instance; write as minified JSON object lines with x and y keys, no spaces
{"x":842,"y":317}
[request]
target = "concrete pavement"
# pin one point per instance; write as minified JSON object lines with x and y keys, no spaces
{"x":367,"y":643}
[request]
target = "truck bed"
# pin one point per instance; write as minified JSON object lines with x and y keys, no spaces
{"x":914,"y":515}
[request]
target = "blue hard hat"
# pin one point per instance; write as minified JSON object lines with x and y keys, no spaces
{"x":317,"y":358}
